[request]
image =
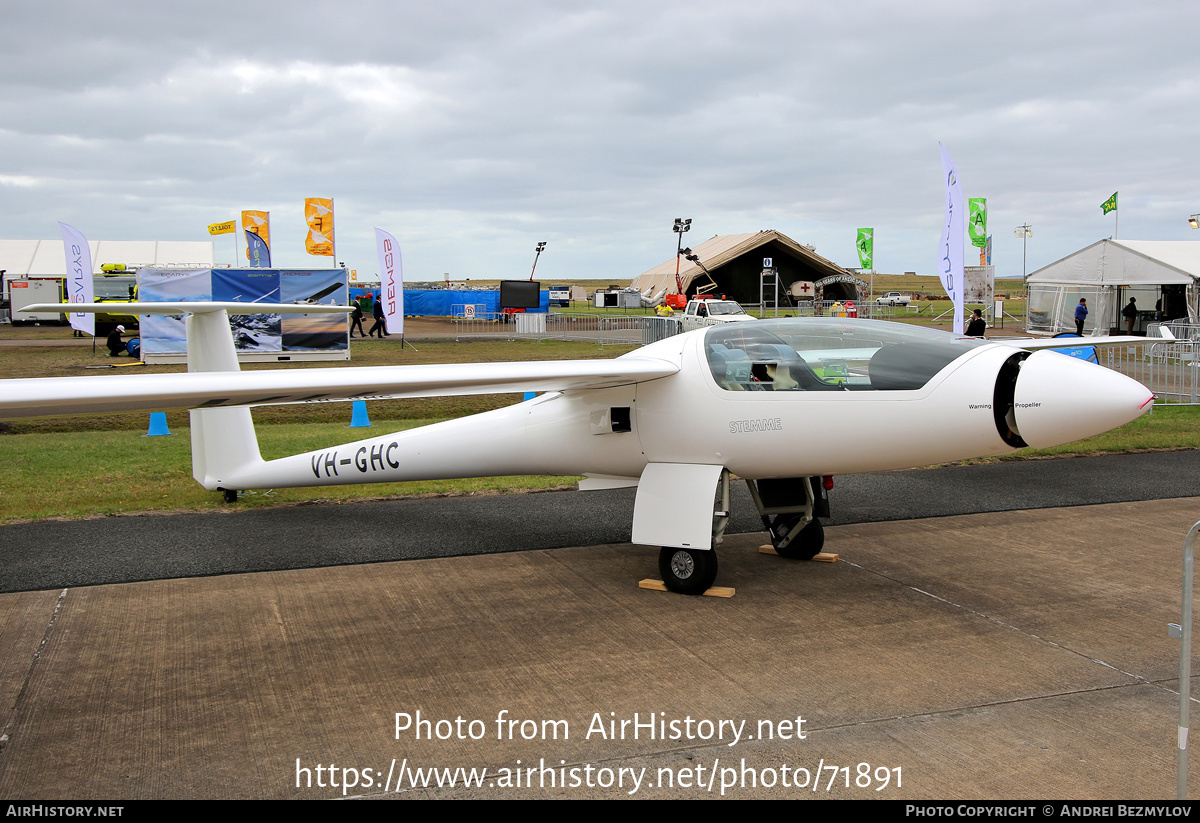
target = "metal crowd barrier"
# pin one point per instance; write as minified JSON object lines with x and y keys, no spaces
{"x":596,"y":328}
{"x":606,"y":331}
{"x":868,"y":309}
{"x":483,"y":324}
{"x":660,"y":328}
{"x":1169,"y":368}
{"x":1180,"y":329}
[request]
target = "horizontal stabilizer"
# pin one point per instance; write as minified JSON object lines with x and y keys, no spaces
{"x":1030,"y":344}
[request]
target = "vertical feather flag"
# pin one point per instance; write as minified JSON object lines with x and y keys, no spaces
{"x":318,"y":213}
{"x":80,"y":287}
{"x":258,"y":222}
{"x":977,"y":228}
{"x":950,"y":247}
{"x":866,"y":248}
{"x":391,"y":281}
{"x":258,"y":251}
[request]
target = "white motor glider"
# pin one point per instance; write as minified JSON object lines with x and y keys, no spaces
{"x":784,"y":404}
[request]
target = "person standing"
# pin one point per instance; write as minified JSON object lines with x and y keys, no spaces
{"x":978,"y":325}
{"x":1080,"y":316}
{"x":1130,"y":313}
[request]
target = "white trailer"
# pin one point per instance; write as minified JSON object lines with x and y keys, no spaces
{"x":27,"y":291}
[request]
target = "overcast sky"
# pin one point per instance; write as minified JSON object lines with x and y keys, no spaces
{"x":473,"y":130}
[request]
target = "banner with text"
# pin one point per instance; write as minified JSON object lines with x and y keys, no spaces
{"x":391,"y":281}
{"x":258,"y":222}
{"x":866,"y":248}
{"x":977,"y":228}
{"x":950,"y":246}
{"x":80,"y":288}
{"x":257,"y":251}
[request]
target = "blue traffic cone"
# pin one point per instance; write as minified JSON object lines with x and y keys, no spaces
{"x":358,"y":417}
{"x":158,"y":425}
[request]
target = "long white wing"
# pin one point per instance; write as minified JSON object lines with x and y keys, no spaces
{"x":181,"y":307}
{"x":1032,"y":344}
{"x":38,"y":397}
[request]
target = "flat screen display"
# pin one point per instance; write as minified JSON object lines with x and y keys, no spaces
{"x":520,"y":294}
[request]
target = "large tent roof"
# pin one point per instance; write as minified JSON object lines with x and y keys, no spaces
{"x":1125,"y":263}
{"x":45,"y":258}
{"x":721,"y":249}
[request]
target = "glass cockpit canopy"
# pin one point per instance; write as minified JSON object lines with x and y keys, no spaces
{"x":829,"y":354}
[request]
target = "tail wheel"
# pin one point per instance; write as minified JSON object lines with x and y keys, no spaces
{"x":688,"y":571}
{"x":804,"y":546}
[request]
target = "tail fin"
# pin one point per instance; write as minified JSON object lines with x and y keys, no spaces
{"x":223,"y":440}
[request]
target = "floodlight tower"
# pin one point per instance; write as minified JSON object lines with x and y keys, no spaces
{"x":679,"y":228}
{"x":1024,"y":232}
{"x":540,"y":247}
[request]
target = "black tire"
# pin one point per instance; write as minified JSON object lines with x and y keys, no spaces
{"x":804,"y":546}
{"x":688,"y":571}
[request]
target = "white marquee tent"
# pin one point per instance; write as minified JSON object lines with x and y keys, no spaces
{"x":1107,"y":274}
{"x":45,"y":258}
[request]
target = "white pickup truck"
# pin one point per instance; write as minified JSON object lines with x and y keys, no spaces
{"x":701,"y":313}
{"x":894,"y":298}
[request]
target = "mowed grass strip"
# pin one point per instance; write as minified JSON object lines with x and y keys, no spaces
{"x":96,"y":465}
{"x":96,"y":473}
{"x":88,"y":466}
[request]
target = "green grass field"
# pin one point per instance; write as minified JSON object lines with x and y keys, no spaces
{"x":88,"y":466}
{"x":120,"y":471}
{"x":97,"y":473}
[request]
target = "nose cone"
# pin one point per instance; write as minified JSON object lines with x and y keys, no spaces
{"x":1059,"y":399}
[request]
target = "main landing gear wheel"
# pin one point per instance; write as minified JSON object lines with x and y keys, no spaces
{"x":688,"y":571}
{"x":804,"y":546}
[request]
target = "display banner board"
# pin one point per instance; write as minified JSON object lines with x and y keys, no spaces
{"x":251,"y":332}
{"x":166,"y":333}
{"x":267,"y":336}
{"x":979,"y":284}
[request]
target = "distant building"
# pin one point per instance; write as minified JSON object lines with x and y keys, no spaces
{"x":735,"y":262}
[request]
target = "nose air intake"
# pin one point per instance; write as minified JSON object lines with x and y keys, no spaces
{"x":1057,"y":399}
{"x":1004,"y":401}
